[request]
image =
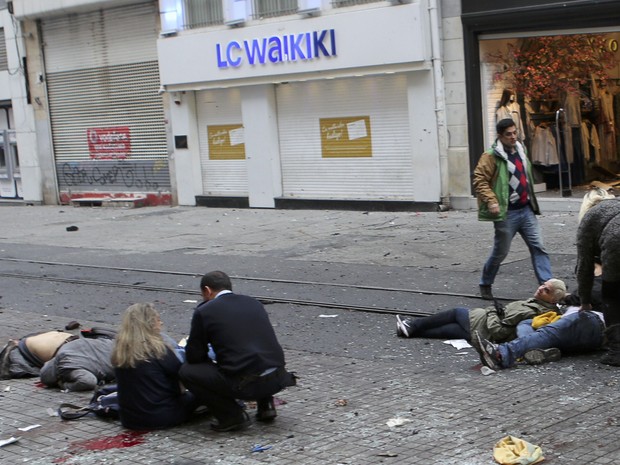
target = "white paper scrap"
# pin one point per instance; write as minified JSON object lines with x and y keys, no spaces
{"x":28,"y":428}
{"x":190,"y":301}
{"x":458,"y":343}
{"x":4,"y":442}
{"x":397,"y":422}
{"x":328,"y":316}
{"x":486,"y":371}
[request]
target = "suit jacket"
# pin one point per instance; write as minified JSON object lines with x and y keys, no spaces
{"x":240,"y":333}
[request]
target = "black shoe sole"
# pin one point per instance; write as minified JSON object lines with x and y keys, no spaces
{"x":266,"y":417}
{"x":232,"y":427}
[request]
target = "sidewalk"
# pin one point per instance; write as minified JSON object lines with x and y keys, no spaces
{"x":364,"y":376}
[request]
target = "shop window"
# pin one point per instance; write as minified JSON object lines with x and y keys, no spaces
{"x":271,"y":8}
{"x":340,"y":3}
{"x":4,"y":65}
{"x":201,"y":13}
{"x":563,"y":92}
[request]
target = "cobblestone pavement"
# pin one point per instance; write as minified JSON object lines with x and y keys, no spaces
{"x":451,"y":414}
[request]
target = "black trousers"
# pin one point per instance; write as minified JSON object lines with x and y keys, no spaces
{"x":611,"y":302}
{"x":219,"y":392}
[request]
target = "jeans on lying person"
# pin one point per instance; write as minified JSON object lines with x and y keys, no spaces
{"x":577,"y":332}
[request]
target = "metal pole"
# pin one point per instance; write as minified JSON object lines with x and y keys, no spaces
{"x":560,"y":132}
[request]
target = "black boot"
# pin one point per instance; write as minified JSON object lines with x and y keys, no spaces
{"x":266,"y":410}
{"x":612,"y":357}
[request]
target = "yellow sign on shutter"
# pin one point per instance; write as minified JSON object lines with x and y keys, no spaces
{"x":226,"y":142}
{"x":345,"y":137}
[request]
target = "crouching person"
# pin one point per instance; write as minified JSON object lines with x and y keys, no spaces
{"x":150,"y":395}
{"x":250,"y":361}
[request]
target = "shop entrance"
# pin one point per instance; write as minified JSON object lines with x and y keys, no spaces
{"x":563,"y":91}
{"x":10,"y":175}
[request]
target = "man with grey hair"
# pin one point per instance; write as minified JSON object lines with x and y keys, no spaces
{"x":495,"y":323}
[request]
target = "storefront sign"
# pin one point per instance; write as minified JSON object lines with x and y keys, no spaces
{"x":276,"y":49}
{"x":345,"y":137}
{"x":226,"y":142}
{"x":109,"y":143}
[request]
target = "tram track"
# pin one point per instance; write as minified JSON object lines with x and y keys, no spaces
{"x":264,"y":299}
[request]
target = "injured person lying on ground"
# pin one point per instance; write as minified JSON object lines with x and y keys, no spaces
{"x":547,"y":337}
{"x":574,"y":332}
{"x":495,"y":323}
{"x":60,"y":358}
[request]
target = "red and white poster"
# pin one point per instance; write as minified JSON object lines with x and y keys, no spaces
{"x":109,"y":143}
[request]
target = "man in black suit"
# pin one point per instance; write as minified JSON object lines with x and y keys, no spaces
{"x":249,"y":359}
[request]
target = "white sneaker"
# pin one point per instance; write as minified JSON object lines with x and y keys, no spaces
{"x":402,"y":329}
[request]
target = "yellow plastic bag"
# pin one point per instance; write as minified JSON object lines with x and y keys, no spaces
{"x":515,"y":451}
{"x":545,"y":319}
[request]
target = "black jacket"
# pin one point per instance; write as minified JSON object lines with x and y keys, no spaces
{"x":240,"y":333}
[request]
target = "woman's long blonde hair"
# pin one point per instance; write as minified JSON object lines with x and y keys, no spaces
{"x":593,"y":197}
{"x":139,"y":337}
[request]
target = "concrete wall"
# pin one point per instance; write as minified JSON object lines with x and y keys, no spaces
{"x":24,"y":123}
{"x":456,"y":109}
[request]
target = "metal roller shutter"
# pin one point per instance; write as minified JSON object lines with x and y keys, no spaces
{"x":385,"y":175}
{"x":102,"y":77}
{"x":220,"y":177}
{"x":4,"y":64}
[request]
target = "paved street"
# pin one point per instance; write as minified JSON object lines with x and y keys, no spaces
{"x":356,"y":375}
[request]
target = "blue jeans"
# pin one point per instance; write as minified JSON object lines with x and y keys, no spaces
{"x":524,"y":222}
{"x":577,"y":332}
{"x":449,"y":324}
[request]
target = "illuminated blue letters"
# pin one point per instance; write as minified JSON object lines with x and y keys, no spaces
{"x":277,"y":49}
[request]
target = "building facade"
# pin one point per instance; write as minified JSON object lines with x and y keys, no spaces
{"x":285,"y":103}
{"x":20,"y":173}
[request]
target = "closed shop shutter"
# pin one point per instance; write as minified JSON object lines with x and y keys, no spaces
{"x":221,"y":177}
{"x":107,"y":117}
{"x":4,"y":64}
{"x":384,"y":175}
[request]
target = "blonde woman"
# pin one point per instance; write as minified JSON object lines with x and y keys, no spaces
{"x":149,"y":393}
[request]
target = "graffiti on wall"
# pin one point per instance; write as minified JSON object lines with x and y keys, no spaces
{"x":115,"y":175}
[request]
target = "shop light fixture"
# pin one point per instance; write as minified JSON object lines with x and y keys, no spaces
{"x":310,"y":12}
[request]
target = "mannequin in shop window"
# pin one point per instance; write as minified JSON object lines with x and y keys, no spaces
{"x":509,"y":108}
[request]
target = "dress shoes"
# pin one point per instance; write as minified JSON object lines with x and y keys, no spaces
{"x":266,"y":410}
{"x":232,"y":425}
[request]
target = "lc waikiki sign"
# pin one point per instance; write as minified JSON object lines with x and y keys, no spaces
{"x":277,"y":49}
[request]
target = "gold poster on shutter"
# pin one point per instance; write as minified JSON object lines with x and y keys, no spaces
{"x":226,"y":142}
{"x":345,"y":137}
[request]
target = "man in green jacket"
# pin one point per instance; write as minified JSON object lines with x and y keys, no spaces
{"x":495,"y":323}
{"x":504,"y":187}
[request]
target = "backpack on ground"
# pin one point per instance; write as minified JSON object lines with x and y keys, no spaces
{"x":103,"y":404}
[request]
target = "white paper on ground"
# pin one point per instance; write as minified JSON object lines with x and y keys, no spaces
{"x":458,"y":343}
{"x":4,"y":442}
